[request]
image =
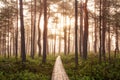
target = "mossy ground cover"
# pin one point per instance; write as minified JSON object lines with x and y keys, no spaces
{"x":91,"y":69}
{"x":32,"y":69}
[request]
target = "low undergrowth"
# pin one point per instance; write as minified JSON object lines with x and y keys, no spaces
{"x":32,"y":69}
{"x":91,"y":69}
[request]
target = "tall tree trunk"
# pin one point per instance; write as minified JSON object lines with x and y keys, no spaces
{"x":27,"y":42}
{"x":109,"y":42}
{"x":39,"y":32}
{"x":81,"y":29}
{"x":76,"y":27}
{"x":4,"y":41}
{"x":60,"y":42}
{"x":8,"y":35}
{"x":116,"y":40}
{"x":47,"y":47}
{"x":95,"y":30}
{"x":103,"y":28}
{"x":100,"y":51}
{"x":31,"y":29}
{"x":95,"y":42}
{"x":10,"y":45}
{"x":65,"y":38}
{"x":34,"y":30}
{"x":13,"y":43}
{"x":1,"y":44}
{"x":69,"y":38}
{"x":109,"y":38}
{"x":22,"y":32}
{"x":16,"y":39}
{"x":65,"y":29}
{"x":54,"y":44}
{"x":55,"y":40}
{"x":45,"y":32}
{"x":85,"y":36}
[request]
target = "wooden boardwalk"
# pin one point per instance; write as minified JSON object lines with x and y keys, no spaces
{"x":59,"y":71}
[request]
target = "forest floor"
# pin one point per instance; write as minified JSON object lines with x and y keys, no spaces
{"x":92,"y":69}
{"x":33,"y":69}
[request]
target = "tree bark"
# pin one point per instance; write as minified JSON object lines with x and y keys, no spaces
{"x":45,"y":33}
{"x":109,"y":42}
{"x":95,"y":30}
{"x":103,"y":29}
{"x":65,"y":38}
{"x":16,"y":39}
{"x":34,"y":30}
{"x":85,"y":36}
{"x":116,"y":40}
{"x":81,"y":29}
{"x":31,"y":30}
{"x":23,"y":54}
{"x":8,"y":35}
{"x":100,"y":51}
{"x":76,"y":27}
{"x":69,"y":38}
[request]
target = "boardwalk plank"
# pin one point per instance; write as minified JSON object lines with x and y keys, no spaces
{"x":59,"y":71}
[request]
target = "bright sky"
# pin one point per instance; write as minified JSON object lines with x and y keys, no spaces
{"x":91,"y":5}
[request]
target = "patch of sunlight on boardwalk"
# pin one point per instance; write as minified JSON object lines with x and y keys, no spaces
{"x":59,"y":71}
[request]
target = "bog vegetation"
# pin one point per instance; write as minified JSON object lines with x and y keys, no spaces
{"x":92,"y":69}
{"x":12,"y":69}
